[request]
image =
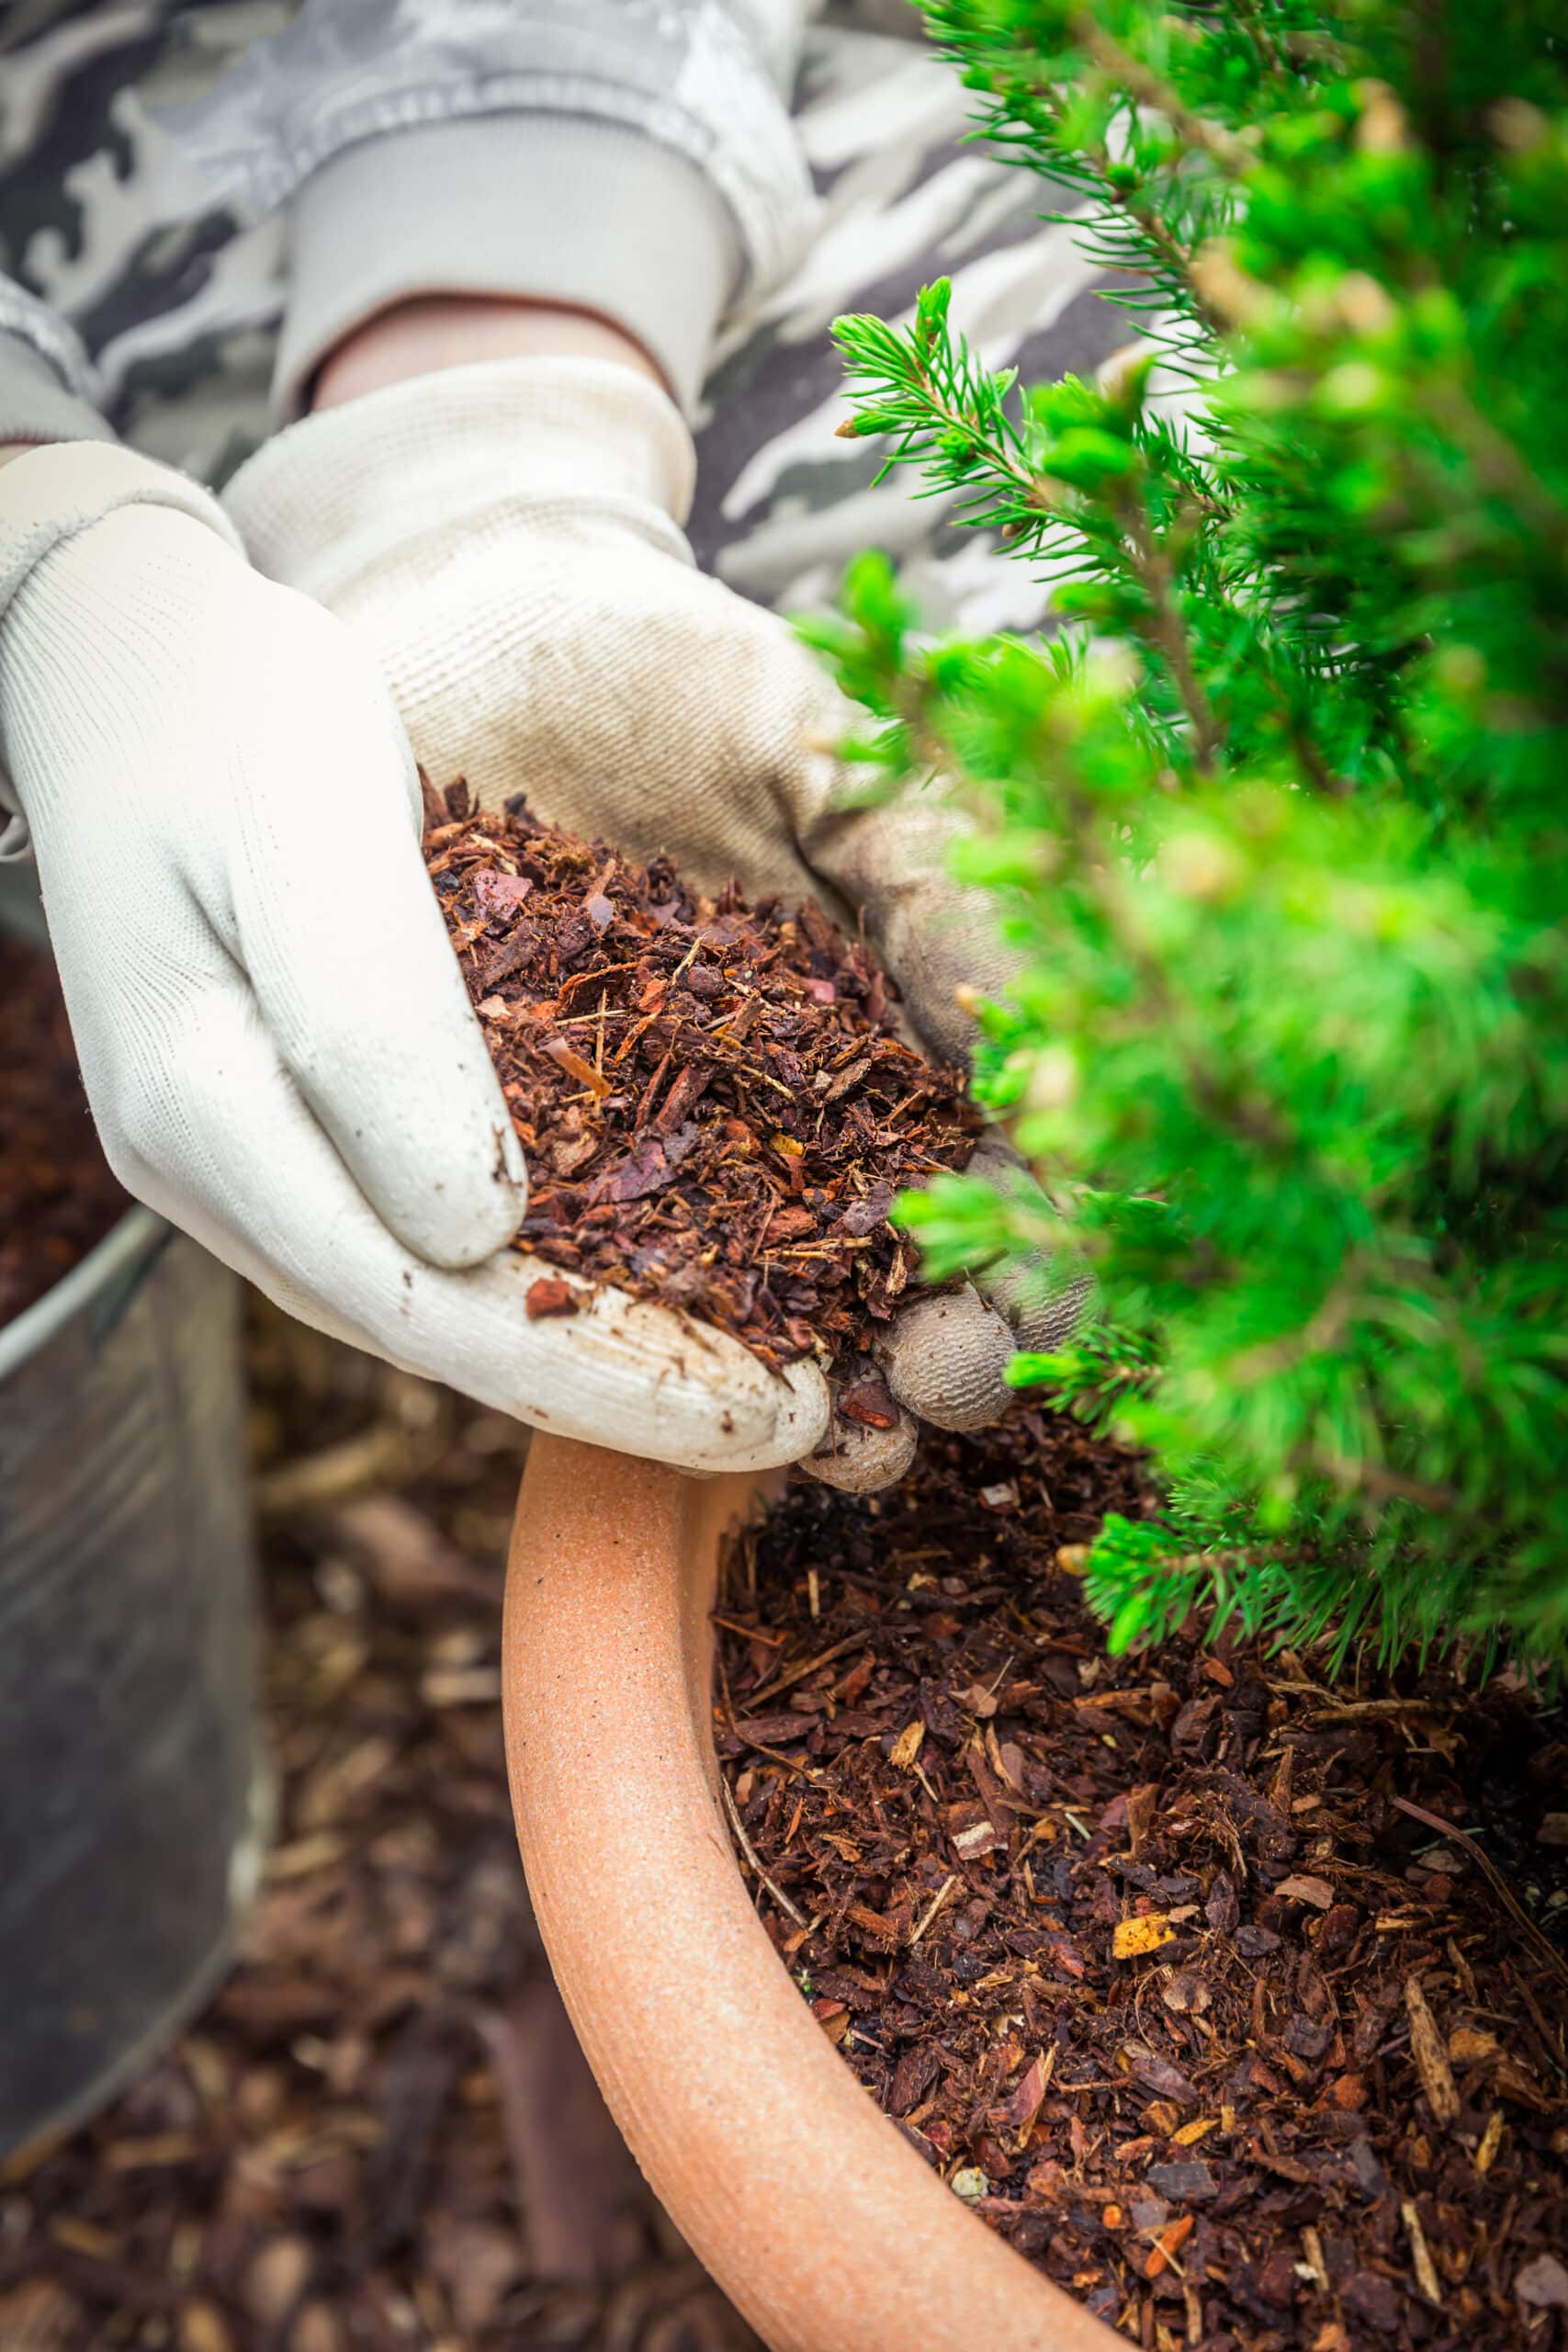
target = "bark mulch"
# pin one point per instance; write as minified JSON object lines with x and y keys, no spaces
{"x":1231,"y":1996}
{"x":57,"y":1195}
{"x":380,"y":2136}
{"x":715,"y":1110}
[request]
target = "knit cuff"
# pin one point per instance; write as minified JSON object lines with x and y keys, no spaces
{"x":541,"y":207}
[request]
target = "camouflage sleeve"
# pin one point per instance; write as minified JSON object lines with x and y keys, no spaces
{"x":48,"y":392}
{"x":633,"y":157}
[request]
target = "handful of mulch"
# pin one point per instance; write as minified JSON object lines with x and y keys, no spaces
{"x":717,"y":1113}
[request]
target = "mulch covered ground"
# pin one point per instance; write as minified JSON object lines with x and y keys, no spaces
{"x":1168,"y":1962}
{"x":380,"y":2136}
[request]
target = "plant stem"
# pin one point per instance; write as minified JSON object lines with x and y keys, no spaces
{"x":1165,"y":630}
{"x":1035,"y":104}
{"x":1502,"y":471}
{"x":1222,"y":146}
{"x":1261,"y":37}
{"x":1382,"y":1486}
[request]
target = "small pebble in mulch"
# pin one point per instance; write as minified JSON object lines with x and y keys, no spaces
{"x":1180,"y":1967}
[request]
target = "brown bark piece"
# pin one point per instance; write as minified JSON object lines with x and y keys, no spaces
{"x":550,"y":1295}
{"x":870,"y":1403}
{"x":1431,"y":2058}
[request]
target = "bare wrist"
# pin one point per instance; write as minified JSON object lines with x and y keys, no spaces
{"x":431,"y":331}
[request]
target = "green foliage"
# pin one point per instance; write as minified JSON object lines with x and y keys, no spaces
{"x":1275,"y":820}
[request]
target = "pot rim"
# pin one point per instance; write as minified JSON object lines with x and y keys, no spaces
{"x":132,"y":1239}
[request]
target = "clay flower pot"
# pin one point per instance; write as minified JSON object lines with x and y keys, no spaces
{"x":817,"y":2219}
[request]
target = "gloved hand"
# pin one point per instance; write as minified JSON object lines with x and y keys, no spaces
{"x":504,"y":540}
{"x":273,"y":1029}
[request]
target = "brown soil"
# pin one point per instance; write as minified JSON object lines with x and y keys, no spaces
{"x":1168,"y":1962}
{"x":57,"y":1195}
{"x":716,"y":1111}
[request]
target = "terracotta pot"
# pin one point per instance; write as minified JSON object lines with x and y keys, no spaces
{"x":817,"y":2219}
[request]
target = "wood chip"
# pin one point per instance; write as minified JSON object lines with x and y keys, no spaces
{"x":1131,"y":1938}
{"x":1315,"y":1891}
{"x":938,"y":1899}
{"x":151,"y":2154}
{"x":203,"y":2328}
{"x":550,"y":1295}
{"x":1431,"y":2058}
{"x":906,"y":1746}
{"x":1162,"y":2254}
{"x":1491,"y":2141}
{"x":1426,"y":2276}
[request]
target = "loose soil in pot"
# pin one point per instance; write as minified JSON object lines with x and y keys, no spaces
{"x":1167,"y":1961}
{"x":57,"y":1195}
{"x":715,"y":1110}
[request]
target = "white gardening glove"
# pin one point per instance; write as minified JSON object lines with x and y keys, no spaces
{"x":504,"y":540}
{"x":273,"y":1029}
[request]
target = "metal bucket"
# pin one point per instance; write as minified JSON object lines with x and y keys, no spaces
{"x":132,"y":1799}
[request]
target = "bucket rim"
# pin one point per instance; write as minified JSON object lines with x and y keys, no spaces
{"x":135,"y":1236}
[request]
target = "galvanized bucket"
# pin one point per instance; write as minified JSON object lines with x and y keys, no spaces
{"x":132,"y":1801}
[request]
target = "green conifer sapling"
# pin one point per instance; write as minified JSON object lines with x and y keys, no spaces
{"x":1275,"y":810}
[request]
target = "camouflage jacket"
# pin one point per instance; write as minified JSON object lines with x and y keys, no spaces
{"x":166,"y":305}
{"x":633,"y":157}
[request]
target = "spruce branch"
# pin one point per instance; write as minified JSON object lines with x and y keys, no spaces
{"x":1167,"y":631}
{"x":1222,"y":147}
{"x":1127,"y":230}
{"x":1284,"y":861}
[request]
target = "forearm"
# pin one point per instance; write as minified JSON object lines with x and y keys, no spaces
{"x":422,"y":336}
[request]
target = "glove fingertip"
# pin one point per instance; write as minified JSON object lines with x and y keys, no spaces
{"x":946,"y":1361}
{"x":1044,"y":1313}
{"x":861,"y":1461}
{"x":459,"y":1214}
